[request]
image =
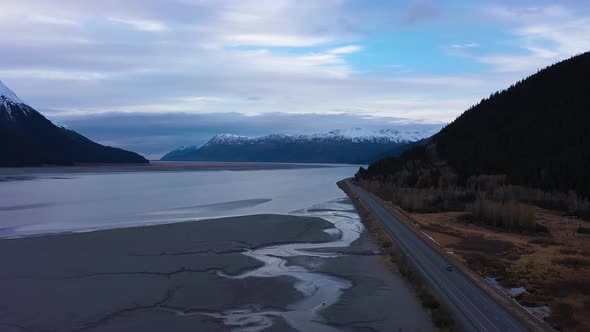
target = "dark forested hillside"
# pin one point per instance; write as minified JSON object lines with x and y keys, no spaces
{"x":537,"y":132}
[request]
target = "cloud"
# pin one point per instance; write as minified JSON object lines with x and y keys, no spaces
{"x":142,"y":25}
{"x":542,"y":35}
{"x":345,"y":49}
{"x":53,"y":75}
{"x":258,"y":57}
{"x":419,"y":11}
{"x":274,"y":40}
{"x":530,"y":12}
{"x":44,"y":19}
{"x":462,"y":46}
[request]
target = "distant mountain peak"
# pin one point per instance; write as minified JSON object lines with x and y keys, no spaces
{"x":11,"y":103}
{"x":8,"y":94}
{"x":353,"y":145}
{"x":353,"y":135}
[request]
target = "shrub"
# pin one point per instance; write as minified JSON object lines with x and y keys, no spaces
{"x":442,"y":319}
{"x":544,"y":242}
{"x":431,"y":199}
{"x":566,"y":251}
{"x":583,"y":230}
{"x":569,"y":202}
{"x":509,"y":215}
{"x":575,"y":262}
{"x":562,"y":316}
{"x":429,"y":301}
{"x":486,"y":182}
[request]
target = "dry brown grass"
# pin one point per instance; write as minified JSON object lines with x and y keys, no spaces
{"x":575,"y":262}
{"x":508,"y":215}
{"x":554,"y":270}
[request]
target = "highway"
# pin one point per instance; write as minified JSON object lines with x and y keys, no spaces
{"x":472,"y":308}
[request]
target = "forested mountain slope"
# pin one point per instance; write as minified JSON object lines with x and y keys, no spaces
{"x":537,"y":132}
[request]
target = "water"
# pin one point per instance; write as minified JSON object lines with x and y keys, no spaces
{"x":89,"y":201}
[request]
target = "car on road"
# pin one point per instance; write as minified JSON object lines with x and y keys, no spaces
{"x":449,"y":268}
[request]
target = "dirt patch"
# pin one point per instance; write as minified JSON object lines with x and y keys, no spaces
{"x":575,"y":262}
{"x":442,"y":230}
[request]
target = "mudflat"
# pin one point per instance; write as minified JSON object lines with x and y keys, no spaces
{"x":156,"y":278}
{"x":189,"y":277}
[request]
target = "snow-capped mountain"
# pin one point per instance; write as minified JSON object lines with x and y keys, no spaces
{"x":354,"y":145}
{"x":354,"y":135}
{"x":28,"y":138}
{"x":8,"y":96}
{"x":11,"y":106}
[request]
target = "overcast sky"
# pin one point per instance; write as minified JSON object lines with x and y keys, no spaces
{"x":170,"y":64}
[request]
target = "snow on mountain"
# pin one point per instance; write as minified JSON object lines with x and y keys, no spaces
{"x":347,"y":146}
{"x":187,"y":148}
{"x":8,"y":94}
{"x":60,"y":124}
{"x":10,"y":102}
{"x":383,"y":135}
{"x":229,"y":139}
{"x":353,"y":135}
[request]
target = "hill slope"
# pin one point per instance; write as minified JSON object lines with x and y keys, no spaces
{"x":536,"y":132}
{"x":28,"y":138}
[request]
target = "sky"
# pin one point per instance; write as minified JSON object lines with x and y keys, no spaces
{"x":151,"y":75}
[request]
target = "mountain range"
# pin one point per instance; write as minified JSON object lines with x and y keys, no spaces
{"x":353,"y":146}
{"x":27,"y":138}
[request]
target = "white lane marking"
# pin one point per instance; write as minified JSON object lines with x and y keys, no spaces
{"x":431,"y":238}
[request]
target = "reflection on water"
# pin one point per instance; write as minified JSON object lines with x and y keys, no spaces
{"x":87,"y":201}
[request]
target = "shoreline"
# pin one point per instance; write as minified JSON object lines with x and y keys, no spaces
{"x":158,"y":166}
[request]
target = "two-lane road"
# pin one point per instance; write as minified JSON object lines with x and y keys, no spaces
{"x":473,"y":309}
